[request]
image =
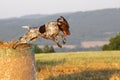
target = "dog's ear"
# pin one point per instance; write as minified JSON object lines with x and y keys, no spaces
{"x":61,"y":17}
{"x":42,"y":29}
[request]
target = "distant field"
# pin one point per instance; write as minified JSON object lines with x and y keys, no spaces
{"x":96,"y":65}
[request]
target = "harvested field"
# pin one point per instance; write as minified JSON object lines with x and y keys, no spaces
{"x":96,"y":65}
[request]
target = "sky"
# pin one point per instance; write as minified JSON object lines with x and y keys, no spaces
{"x":17,"y":8}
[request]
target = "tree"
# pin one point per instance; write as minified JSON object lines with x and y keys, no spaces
{"x":114,"y":43}
{"x":51,"y":49}
{"x":37,"y":49}
{"x":48,"y":49}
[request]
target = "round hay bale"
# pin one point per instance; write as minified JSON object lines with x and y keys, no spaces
{"x":16,"y":64}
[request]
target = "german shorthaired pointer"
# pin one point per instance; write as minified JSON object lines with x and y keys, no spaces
{"x":49,"y":31}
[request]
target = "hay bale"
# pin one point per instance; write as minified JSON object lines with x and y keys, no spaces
{"x":16,"y":64}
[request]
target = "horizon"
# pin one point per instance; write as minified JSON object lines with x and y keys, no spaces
{"x":55,"y":13}
{"x":18,"y":8}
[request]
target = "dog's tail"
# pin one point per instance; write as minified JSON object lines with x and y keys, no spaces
{"x":27,"y":27}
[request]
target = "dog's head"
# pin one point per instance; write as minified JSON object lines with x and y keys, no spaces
{"x":63,"y":25}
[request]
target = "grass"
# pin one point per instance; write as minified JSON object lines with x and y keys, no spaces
{"x":98,"y":65}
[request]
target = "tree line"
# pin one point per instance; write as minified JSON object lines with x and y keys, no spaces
{"x":114,"y":43}
{"x":45,"y":49}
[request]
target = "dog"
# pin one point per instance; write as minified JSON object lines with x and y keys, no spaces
{"x":50,"y":31}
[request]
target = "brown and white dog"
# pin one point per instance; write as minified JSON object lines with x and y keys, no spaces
{"x":49,"y":31}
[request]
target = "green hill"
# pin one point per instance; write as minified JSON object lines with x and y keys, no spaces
{"x":98,"y":25}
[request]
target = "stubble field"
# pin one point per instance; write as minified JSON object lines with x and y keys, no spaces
{"x":96,"y":65}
